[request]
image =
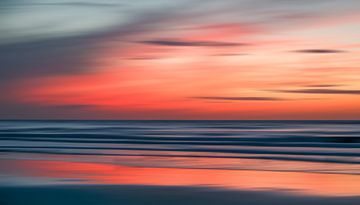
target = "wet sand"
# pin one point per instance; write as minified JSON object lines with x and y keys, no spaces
{"x":148,"y":195}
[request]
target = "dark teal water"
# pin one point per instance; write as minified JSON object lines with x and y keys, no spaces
{"x":335,"y":144}
{"x":179,"y":162}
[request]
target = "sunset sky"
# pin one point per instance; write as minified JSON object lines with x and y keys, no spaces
{"x":180,"y":59}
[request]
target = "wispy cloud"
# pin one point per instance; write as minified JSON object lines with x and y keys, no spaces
{"x":321,"y":85}
{"x":319,"y":51}
{"x":67,"y":55}
{"x":230,"y":54}
{"x":163,"y":42}
{"x":79,"y":3}
{"x":204,"y":48}
{"x":239,"y":98}
{"x":44,"y":57}
{"x":322,"y":91}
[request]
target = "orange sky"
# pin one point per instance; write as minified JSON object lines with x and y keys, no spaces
{"x":212,"y":62}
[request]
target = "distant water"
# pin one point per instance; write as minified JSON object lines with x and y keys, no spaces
{"x":310,"y":146}
{"x":308,"y":157}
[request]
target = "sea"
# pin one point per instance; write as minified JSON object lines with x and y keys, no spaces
{"x":307,"y":158}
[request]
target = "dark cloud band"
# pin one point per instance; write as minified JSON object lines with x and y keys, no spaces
{"x":191,"y":43}
{"x":322,"y":91}
{"x":319,"y":51}
{"x":239,"y":98}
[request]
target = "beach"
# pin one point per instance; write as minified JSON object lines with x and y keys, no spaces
{"x":179,"y":162}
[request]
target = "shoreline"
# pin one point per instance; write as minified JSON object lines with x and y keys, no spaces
{"x":160,"y":195}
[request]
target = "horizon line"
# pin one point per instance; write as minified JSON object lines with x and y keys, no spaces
{"x":179,"y":119}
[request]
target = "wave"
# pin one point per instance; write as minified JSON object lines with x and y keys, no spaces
{"x":335,"y":142}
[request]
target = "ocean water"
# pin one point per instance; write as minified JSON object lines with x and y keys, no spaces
{"x":307,"y":157}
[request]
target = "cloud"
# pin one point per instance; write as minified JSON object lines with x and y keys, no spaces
{"x":163,"y":42}
{"x":239,"y":98}
{"x":68,"y":55}
{"x":80,"y":4}
{"x":143,"y":58}
{"x":44,"y":57}
{"x":230,"y":54}
{"x":322,"y":91}
{"x":319,"y":51}
{"x":322,"y":85}
{"x":87,"y":4}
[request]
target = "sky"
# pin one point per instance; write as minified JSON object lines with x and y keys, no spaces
{"x":180,"y":59}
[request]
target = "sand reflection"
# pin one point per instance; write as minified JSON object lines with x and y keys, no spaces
{"x":96,"y":173}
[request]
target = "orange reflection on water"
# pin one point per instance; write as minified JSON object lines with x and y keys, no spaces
{"x":309,"y":183}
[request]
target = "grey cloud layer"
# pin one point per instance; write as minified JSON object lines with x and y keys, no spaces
{"x":322,"y":91}
{"x":67,"y":55}
{"x":162,"y":42}
{"x":319,"y":51}
{"x":239,"y":98}
{"x":62,"y":55}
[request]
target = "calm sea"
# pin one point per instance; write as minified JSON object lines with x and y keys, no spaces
{"x":241,"y":154}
